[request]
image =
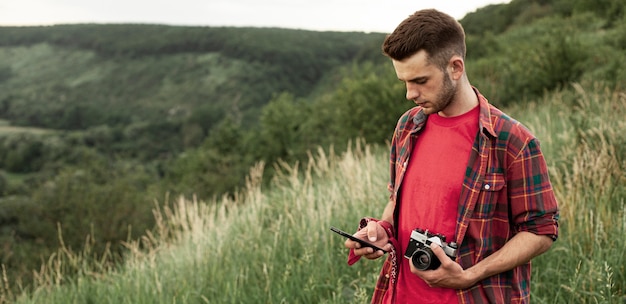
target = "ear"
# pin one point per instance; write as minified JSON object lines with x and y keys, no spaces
{"x":456,"y":67}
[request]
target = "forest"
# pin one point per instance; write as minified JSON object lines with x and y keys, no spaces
{"x":101,"y":122}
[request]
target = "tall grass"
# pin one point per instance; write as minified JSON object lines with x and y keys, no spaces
{"x":583,"y":133}
{"x":274,"y":245}
{"x":260,"y":247}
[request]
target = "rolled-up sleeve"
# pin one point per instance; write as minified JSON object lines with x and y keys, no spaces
{"x":533,"y":204}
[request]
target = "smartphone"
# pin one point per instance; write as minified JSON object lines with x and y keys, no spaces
{"x":360,"y":241}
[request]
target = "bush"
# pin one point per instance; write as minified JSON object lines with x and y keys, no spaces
{"x":533,"y":61}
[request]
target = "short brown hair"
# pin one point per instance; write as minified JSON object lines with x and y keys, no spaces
{"x":440,"y":35}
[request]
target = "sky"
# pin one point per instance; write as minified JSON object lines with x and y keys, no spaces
{"x":318,"y":15}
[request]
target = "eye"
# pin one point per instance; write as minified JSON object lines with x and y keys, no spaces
{"x":420,"y":80}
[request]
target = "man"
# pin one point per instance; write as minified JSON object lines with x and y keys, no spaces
{"x":462,"y":169}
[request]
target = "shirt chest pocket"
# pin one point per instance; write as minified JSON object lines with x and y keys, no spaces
{"x":492,"y":199}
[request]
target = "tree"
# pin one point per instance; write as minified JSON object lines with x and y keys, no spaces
{"x":370,"y":99}
{"x":280,"y":128}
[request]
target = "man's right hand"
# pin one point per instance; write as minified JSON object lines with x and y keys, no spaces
{"x":375,"y":234}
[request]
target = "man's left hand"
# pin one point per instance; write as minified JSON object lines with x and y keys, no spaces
{"x":448,"y":275}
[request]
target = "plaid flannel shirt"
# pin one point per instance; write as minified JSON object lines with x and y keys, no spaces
{"x":506,"y":189}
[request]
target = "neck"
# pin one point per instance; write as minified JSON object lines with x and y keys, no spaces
{"x":464,"y":101}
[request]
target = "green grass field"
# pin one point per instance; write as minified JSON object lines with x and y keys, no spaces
{"x":274,"y":245}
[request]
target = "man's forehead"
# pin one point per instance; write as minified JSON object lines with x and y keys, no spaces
{"x":416,"y":66}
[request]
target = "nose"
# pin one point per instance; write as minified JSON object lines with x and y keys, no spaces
{"x":412,"y":93}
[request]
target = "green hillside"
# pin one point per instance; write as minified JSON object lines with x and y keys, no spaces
{"x":136,"y":78}
{"x":99,"y":122}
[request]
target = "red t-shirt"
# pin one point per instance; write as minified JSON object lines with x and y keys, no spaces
{"x":429,"y":196}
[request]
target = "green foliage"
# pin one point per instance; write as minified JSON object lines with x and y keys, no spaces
{"x":136,"y":40}
{"x":495,"y":18}
{"x":610,"y":10}
{"x":109,"y":203}
{"x":499,"y":18}
{"x":158,"y":80}
{"x":4,"y":184}
{"x":217,"y":167}
{"x":21,"y":153}
{"x":5,"y":73}
{"x":365,"y":102}
{"x":370,"y":99}
{"x":281,"y":122}
{"x":526,"y":48}
{"x":533,"y":60}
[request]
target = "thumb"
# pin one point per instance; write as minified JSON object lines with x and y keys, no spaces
{"x":372,"y":231}
{"x":438,"y":251}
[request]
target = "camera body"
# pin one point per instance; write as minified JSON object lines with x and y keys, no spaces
{"x":418,"y":249}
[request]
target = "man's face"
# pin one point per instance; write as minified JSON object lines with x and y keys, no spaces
{"x":426,"y":84}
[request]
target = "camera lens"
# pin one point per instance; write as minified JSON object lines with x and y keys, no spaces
{"x":425,"y":259}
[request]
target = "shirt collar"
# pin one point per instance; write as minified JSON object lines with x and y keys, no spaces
{"x":484,"y":119}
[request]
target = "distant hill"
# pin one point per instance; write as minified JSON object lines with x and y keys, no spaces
{"x":135,"y":78}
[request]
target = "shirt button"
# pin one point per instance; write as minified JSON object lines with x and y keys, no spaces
{"x":387,"y":276}
{"x":487,"y":187}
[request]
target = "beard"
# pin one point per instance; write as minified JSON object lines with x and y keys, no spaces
{"x":446,"y":95}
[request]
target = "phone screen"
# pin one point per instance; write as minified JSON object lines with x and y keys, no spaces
{"x":360,"y":241}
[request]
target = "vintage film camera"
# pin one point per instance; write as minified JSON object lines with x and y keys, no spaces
{"x":420,"y":253}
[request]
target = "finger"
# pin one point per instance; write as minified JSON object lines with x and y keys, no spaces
{"x":349,"y":244}
{"x":365,"y":251}
{"x":372,"y":231}
{"x":374,"y":255}
{"x":352,"y":244}
{"x":438,"y":251}
{"x":388,"y":247}
{"x":416,"y":271}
